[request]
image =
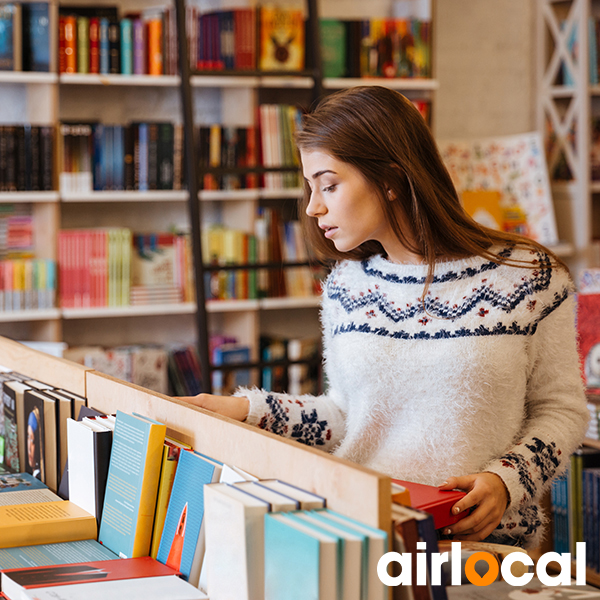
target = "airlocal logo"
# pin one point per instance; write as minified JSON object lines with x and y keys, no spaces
{"x":430,"y":567}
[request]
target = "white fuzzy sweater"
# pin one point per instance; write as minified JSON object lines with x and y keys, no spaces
{"x":486,"y":378}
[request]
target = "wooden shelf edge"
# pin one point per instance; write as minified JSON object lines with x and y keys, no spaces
{"x":12,"y":316}
{"x":124,"y":196}
{"x":119,"y":80}
{"x":28,"y":197}
{"x":144,"y":310}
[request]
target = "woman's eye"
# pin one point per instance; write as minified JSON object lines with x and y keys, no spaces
{"x":330,"y":188}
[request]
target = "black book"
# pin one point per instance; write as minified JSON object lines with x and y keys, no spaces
{"x":36,"y":36}
{"x":3,"y":158}
{"x":353,"y":45}
{"x":114,"y":48}
{"x":97,"y":10}
{"x":152,"y":156}
{"x":46,"y":158}
{"x":135,"y":143}
{"x":32,"y":157}
{"x":166,"y":151}
{"x":21,"y":159}
{"x":11,"y":158}
{"x":128,"y":167}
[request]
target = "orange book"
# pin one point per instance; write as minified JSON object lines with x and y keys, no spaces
{"x":155,"y":55}
{"x":281,"y":39}
{"x":70,"y":44}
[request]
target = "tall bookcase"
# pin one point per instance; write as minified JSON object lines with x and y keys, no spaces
{"x":565,"y":101}
{"x":232,"y":100}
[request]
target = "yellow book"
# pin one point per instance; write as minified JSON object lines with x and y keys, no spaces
{"x":281,"y":39}
{"x":484,"y":206}
{"x":44,"y":523}
{"x":170,"y":458}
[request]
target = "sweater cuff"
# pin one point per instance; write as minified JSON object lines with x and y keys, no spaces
{"x":512,"y":469}
{"x":257,"y":404}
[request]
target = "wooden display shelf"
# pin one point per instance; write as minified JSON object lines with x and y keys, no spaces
{"x":182,"y":308}
{"x":28,"y":197}
{"x":27,"y":77}
{"x":125,"y":196}
{"x":121,"y":80}
{"x":249,"y":194}
{"x":417,"y":84}
{"x":13,"y":316}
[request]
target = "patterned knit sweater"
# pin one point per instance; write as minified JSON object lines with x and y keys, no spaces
{"x":483,"y":377}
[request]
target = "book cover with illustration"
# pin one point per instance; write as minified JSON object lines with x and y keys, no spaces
{"x":588,"y":329}
{"x":182,"y":542}
{"x":282,"y":44}
{"x":514,"y":165}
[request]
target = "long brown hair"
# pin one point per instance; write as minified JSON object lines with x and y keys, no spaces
{"x":381,"y":133}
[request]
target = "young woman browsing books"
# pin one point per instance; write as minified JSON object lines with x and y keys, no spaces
{"x":449,"y":347}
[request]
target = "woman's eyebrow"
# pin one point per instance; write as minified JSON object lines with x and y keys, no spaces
{"x":319,"y":173}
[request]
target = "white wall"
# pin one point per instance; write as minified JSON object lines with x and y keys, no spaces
{"x":485,"y":66}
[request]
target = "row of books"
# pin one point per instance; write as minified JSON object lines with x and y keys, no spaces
{"x":273,"y":242}
{"x":96,"y":41}
{"x":114,"y":267}
{"x":27,"y":284}
{"x":25,"y":36}
{"x":16,"y":231}
{"x":26,"y":157}
{"x":138,"y":156}
{"x":376,"y":48}
{"x":575,"y":498}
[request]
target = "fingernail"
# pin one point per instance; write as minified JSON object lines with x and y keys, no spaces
{"x":456,"y":510}
{"x":443,"y":484}
{"x":447,"y":531}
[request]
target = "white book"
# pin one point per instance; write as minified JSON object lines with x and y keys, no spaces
{"x":308,"y":500}
{"x":234,"y":543}
{"x":278,"y":501}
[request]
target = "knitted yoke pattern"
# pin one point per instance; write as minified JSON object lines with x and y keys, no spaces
{"x":481,"y":375}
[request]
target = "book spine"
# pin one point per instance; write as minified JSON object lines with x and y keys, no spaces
{"x":94,"y":36}
{"x":139,"y":48}
{"x":83,"y":45}
{"x":70,"y":44}
{"x":114,"y":48}
{"x":155,"y":47}
{"x":152,"y":156}
{"x":126,"y":47}
{"x":21,"y":158}
{"x":104,"y":46}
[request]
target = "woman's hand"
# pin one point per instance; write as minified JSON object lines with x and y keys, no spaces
{"x":488,"y":494}
{"x":234,"y":407}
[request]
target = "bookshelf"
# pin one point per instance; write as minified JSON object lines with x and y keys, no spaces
{"x":563,"y":114}
{"x":227,"y":98}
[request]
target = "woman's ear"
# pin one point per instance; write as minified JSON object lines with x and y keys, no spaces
{"x":391,"y":194}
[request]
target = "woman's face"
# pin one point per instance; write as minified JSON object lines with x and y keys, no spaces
{"x":31,"y":447}
{"x":347,"y":207}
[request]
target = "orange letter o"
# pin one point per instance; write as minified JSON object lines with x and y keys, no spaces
{"x":492,"y":572}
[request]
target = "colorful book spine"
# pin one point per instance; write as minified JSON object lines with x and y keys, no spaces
{"x":126,"y":47}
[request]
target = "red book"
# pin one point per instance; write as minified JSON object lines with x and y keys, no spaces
{"x":14,"y":581}
{"x":94,"y":45}
{"x":588,"y":328}
{"x":62,"y":58}
{"x":436,"y":502}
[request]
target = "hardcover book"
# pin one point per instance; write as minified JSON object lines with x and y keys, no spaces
{"x":281,"y":39}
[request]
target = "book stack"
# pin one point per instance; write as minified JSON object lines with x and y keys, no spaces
{"x":25,"y":36}
{"x":376,"y":48}
{"x":96,"y":40}
{"x":26,"y":157}
{"x":138,"y":156}
{"x":27,"y":284}
{"x":227,"y":148}
{"x":278,"y":124}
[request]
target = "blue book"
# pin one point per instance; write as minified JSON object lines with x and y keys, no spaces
{"x":108,"y":153}
{"x":300,"y":562}
{"x":143,"y":156}
{"x":103,"y":46}
{"x":36,"y":36}
{"x":126,"y":47}
{"x":593,"y":51}
{"x":132,"y":485}
{"x":118,"y":158}
{"x":20,"y":482}
{"x":182,"y":542}
{"x":10,"y":59}
{"x":54,"y":554}
{"x":225,"y":382}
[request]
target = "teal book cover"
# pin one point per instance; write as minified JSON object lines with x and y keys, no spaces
{"x":63,"y":553}
{"x":298,"y":564}
{"x":20,"y":482}
{"x":126,"y":483}
{"x":183,"y":523}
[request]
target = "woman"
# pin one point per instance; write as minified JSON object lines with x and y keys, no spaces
{"x":449,"y":347}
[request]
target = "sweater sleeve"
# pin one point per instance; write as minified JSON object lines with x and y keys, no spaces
{"x":556,"y":415}
{"x":312,"y":420}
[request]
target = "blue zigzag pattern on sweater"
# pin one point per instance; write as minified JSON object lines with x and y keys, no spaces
{"x":498,"y":329}
{"x":539,"y":281}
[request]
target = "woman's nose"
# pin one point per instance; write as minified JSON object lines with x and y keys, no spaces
{"x":315,"y":207}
